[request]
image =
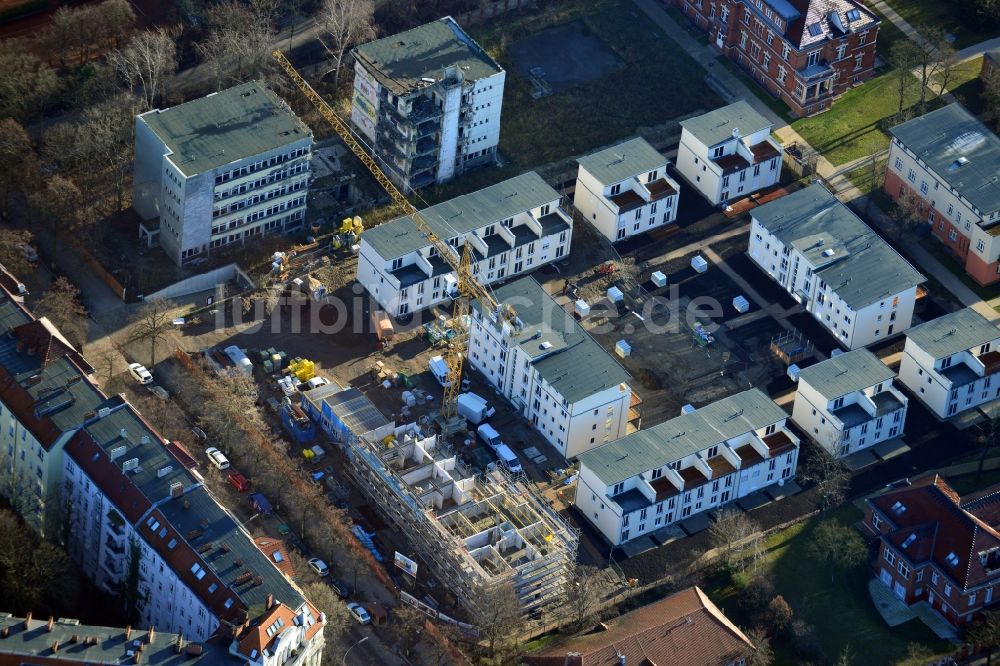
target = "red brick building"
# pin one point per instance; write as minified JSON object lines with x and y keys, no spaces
{"x":804,"y":52}
{"x":938,"y":547}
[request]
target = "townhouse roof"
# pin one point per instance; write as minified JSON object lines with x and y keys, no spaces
{"x":418,"y":57}
{"x":853,"y":260}
{"x":820,"y":20}
{"x":30,"y":641}
{"x":682,"y":436}
{"x":276,"y":551}
{"x":562,"y":352}
{"x":225,"y":126}
{"x":622,"y":161}
{"x":953,"y":333}
{"x":854,"y":371}
{"x":931,"y":524}
{"x":719,"y":125}
{"x":462,"y":215}
{"x":683,"y":628}
{"x":960,"y":150}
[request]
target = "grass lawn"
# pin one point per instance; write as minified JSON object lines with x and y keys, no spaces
{"x":941,"y":14}
{"x":888,"y":33}
{"x":775,"y":105}
{"x":867,"y":180}
{"x":655,"y":82}
{"x":932,"y":245}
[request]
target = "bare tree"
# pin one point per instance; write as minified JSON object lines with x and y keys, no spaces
{"x":985,"y":634}
{"x":762,"y":655}
{"x":733,"y":533}
{"x":583,"y":596}
{"x":498,"y":617}
{"x":827,"y":472}
{"x":338,"y":619}
{"x":837,"y":545}
{"x":904,"y":55}
{"x":12,"y":254}
{"x":409,"y":628}
{"x":908,"y":214}
{"x":146,"y":64}
{"x":27,"y":84}
{"x":20,"y":163}
{"x":991,"y":96}
{"x":61,"y":305}
{"x":151,"y":325}
{"x":345,"y":23}
{"x":239,"y":42}
{"x":62,"y":204}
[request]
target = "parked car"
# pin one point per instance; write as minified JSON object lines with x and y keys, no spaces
{"x":359,"y":613}
{"x":217,"y":458}
{"x":508,"y":458}
{"x":238,"y":481}
{"x":260,"y":504}
{"x":340,"y":588}
{"x":140,"y":373}
{"x":287,"y":385}
{"x":319,"y":567}
{"x":297,"y":545}
{"x":316,"y":382}
{"x":490,"y":436}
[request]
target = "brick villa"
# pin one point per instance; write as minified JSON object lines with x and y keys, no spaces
{"x":804,"y":52}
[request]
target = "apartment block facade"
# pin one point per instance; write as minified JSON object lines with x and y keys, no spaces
{"x":573,"y":392}
{"x":943,"y":167}
{"x":625,"y":190}
{"x":427,"y":102}
{"x":952,"y":363}
{"x":843,"y":273}
{"x":804,"y":52}
{"x":729,"y":153}
{"x":694,"y":463}
{"x":514,"y":227}
{"x":222,"y":169}
{"x":849,"y":403}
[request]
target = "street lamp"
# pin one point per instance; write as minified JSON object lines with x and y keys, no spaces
{"x":344,"y":660}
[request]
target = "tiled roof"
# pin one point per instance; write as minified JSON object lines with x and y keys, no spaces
{"x":820,"y":20}
{"x":274,"y":550}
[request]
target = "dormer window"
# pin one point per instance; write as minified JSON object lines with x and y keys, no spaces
{"x":651,"y":176}
{"x":853,"y":15}
{"x":984,"y":348}
{"x":815,"y":29}
{"x":952,"y":559}
{"x":899,"y":508}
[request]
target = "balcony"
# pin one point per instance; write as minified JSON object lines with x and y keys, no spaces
{"x":731,"y":163}
{"x":778,"y":443}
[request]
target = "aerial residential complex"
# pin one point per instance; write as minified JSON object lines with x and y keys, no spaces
{"x":831,"y":262}
{"x":804,"y":52}
{"x":951,"y":363}
{"x":949,"y":161}
{"x":514,"y":227}
{"x":693,"y":463}
{"x":428,"y":102}
{"x":729,"y":153}
{"x":220,"y":169}
{"x":849,"y":403}
{"x":625,"y":190}
{"x":560,"y":379}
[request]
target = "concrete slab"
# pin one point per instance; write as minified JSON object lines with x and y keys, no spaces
{"x":860,"y":460}
{"x":753,"y":501}
{"x":934,"y":621}
{"x":888,"y":605}
{"x":890,"y":448}
{"x":696,"y":523}
{"x":531,"y":452}
{"x":638,"y":545}
{"x":667,"y":534}
{"x":777,"y":492}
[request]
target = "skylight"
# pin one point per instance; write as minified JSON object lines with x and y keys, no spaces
{"x":898,"y":508}
{"x":815,"y":29}
{"x":910,"y":539}
{"x":853,"y":15}
{"x":952,"y":559}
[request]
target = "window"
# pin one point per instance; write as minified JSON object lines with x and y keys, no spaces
{"x":812,"y":58}
{"x":980,"y":245}
{"x":841,"y":51}
{"x":911,"y":176}
{"x":785,"y":51}
{"x":899,"y":164}
{"x":782,"y":74}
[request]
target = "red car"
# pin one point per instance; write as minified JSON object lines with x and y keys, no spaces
{"x":238,"y":481}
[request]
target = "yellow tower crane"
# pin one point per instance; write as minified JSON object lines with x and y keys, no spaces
{"x":468,"y":286}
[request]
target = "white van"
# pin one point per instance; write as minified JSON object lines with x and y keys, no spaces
{"x":488,"y":434}
{"x":508,"y":459}
{"x":474,"y":408}
{"x":439,"y":368}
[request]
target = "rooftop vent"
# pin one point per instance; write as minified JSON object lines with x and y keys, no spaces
{"x":177,"y":489}
{"x":163,"y":471}
{"x":103,"y":411}
{"x":130,"y":464}
{"x":829,"y":253}
{"x":958,"y":164}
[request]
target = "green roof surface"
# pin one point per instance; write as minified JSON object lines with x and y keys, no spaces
{"x":953,"y":333}
{"x":854,"y":371}
{"x":462,"y":214}
{"x":682,"y":436}
{"x":863,"y":268}
{"x":625,"y":160}
{"x":562,"y":351}
{"x":400,"y":62}
{"x":958,"y":149}
{"x":224,"y":127}
{"x":717,"y":126}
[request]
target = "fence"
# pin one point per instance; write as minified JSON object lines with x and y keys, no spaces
{"x":202,"y":282}
{"x":106,"y":277}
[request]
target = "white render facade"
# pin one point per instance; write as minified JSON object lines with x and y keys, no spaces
{"x":221,"y":169}
{"x":951,"y":364}
{"x":514,"y":227}
{"x":849,"y":403}
{"x":699,"y":461}
{"x":625,"y":190}
{"x":728,"y":154}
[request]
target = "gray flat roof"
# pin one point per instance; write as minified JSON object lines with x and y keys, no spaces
{"x":682,"y":436}
{"x":574,"y":363}
{"x":854,"y":371}
{"x":621,"y":161}
{"x":400,"y":62}
{"x":224,"y":127}
{"x":863,"y":268}
{"x":717,"y":126}
{"x":960,"y":150}
{"x":460,"y":215}
{"x":953,"y":333}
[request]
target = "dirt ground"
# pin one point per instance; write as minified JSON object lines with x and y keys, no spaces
{"x":567,"y":55}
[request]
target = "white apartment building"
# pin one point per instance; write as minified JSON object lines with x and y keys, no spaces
{"x":831,"y":262}
{"x":514,"y":227}
{"x":696,"y":462}
{"x":428,"y":103}
{"x":625,"y":190}
{"x":849,"y":403}
{"x":951,"y":363}
{"x":559,"y":378}
{"x":729,"y":153}
{"x":221,"y":169}
{"x":949,"y":161}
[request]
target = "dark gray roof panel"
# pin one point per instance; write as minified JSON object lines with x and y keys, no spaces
{"x":622,"y":161}
{"x":854,"y":371}
{"x":717,"y":126}
{"x":953,"y":333}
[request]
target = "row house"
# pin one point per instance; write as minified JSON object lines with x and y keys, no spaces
{"x":951,"y":363}
{"x":849,"y":403}
{"x":937,"y":547}
{"x":804,"y":52}
{"x":843,"y":273}
{"x":513,"y":227}
{"x":625,"y":190}
{"x":572,"y":391}
{"x":943,"y":168}
{"x":729,"y":153}
{"x":694,"y":463}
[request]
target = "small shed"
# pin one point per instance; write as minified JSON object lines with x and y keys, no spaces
{"x":741,"y":304}
{"x":687,"y":409}
{"x":793,"y":372}
{"x":699,"y":263}
{"x":623,"y":348}
{"x":581,"y":308}
{"x":659,"y":279}
{"x":615,"y":295}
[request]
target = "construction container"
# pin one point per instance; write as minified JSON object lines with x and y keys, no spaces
{"x":615,"y":295}
{"x":699,"y":264}
{"x":741,"y":304}
{"x":381,"y":325}
{"x":793,"y":372}
{"x":582,"y":308}
{"x":687,"y":409}
{"x":623,"y":348}
{"x":659,"y":279}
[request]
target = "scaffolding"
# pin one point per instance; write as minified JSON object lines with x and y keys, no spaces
{"x":473,"y":532}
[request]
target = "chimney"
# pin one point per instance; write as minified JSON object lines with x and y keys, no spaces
{"x":55,"y":646}
{"x":5,"y":632}
{"x":128,"y":631}
{"x":270,"y":601}
{"x":179,"y":644}
{"x":137,"y":657}
{"x":27,"y":621}
{"x":150,"y":635}
{"x":52,"y":621}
